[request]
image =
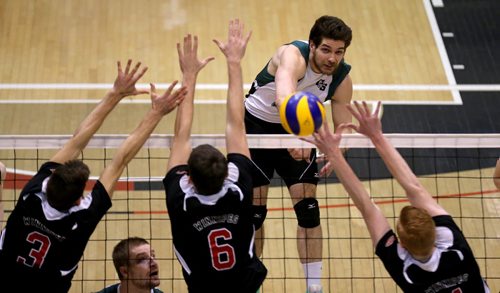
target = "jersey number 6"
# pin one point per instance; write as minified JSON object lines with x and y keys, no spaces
{"x":223,"y":257}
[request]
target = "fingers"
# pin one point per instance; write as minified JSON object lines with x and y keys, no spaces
{"x":171,"y":87}
{"x":342,"y":127}
{"x":136,"y":78}
{"x":326,"y":170}
{"x":119,"y":66}
{"x":218,"y":43}
{"x":195,"y":45}
{"x":248,"y":37}
{"x":153,"y":88}
{"x":127,"y":68}
{"x":377,"y":109}
{"x":208,"y":59}
{"x":179,"y":51}
{"x":353,"y":112}
{"x":136,"y":67}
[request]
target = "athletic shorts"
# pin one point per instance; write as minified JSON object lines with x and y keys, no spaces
{"x":279,"y":160}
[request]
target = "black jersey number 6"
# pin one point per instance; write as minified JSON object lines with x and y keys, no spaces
{"x":223,"y":256}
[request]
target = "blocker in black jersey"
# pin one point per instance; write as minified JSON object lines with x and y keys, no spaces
{"x":44,"y":245}
{"x":209,"y":194}
{"x":213,"y":235}
{"x":430,"y":253}
{"x":53,"y":220}
{"x":451,"y":268}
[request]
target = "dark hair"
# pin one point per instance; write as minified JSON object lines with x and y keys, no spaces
{"x":207,"y":169}
{"x":121,"y":252}
{"x":66,"y":184}
{"x":330,"y":27}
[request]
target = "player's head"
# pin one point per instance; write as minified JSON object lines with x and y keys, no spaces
{"x":135,"y":262}
{"x":416,"y":231}
{"x":207,"y":169}
{"x":66,"y":184}
{"x":328,"y":41}
{"x":330,"y":27}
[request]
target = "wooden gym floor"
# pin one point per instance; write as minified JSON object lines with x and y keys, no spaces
{"x":57,"y":58}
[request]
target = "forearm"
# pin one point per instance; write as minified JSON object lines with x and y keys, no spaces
{"x":184,"y":117}
{"x":137,"y":138}
{"x":375,"y":221}
{"x":397,"y":165}
{"x":285,"y":85}
{"x":350,"y":181}
{"x":235,"y":95}
{"x":89,"y":126}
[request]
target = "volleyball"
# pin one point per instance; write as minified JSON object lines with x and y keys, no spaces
{"x":302,"y":113}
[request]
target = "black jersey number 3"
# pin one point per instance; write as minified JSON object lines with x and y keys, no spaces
{"x":36,"y":256}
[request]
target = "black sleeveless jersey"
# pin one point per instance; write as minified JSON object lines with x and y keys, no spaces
{"x":42,"y":245}
{"x":213,"y":235}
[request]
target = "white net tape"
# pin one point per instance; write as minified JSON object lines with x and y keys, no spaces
{"x":400,"y":140}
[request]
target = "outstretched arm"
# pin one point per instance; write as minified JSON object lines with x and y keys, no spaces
{"x":190,"y":67}
{"x":124,"y":85}
{"x":161,"y":106}
{"x":328,"y":143}
{"x":290,"y":67}
{"x":370,"y":125}
{"x":234,"y":50}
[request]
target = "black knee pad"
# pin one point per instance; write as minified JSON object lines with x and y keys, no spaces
{"x":307,"y":211}
{"x":259,"y":215}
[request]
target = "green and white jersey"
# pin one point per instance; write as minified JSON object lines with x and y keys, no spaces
{"x":261,"y":97}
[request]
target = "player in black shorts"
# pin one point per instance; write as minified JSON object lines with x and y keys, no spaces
{"x":53,"y":219}
{"x":209,"y":196}
{"x":317,"y":66}
{"x":431,"y":254}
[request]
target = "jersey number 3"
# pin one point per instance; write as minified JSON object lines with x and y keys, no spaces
{"x":223,"y":257}
{"x":36,"y":256}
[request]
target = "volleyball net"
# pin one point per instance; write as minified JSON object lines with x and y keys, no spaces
{"x":457,"y":169}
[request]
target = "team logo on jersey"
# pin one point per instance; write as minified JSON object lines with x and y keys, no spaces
{"x":321,"y":84}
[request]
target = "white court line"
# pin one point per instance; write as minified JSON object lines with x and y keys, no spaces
{"x":209,"y":87}
{"x":223,"y":86}
{"x":441,"y":48}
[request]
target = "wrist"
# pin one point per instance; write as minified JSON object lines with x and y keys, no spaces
{"x":377,"y":138}
{"x":113,"y":97}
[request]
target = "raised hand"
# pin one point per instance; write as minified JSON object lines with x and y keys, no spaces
{"x":327,"y":141}
{"x":188,"y":56}
{"x":167,"y":102}
{"x":234,"y":48}
{"x":369,"y":123}
{"x":125,"y":81}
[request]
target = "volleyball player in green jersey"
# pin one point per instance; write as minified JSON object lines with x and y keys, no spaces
{"x":316,"y":66}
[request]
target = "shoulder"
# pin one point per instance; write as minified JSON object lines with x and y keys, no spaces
{"x":176,"y":173}
{"x":242,"y":162}
{"x":448,"y":234}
